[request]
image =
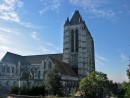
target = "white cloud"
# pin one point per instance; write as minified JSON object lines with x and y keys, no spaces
{"x":51,"y":5}
{"x":29,"y":25}
{"x":9,"y":42}
{"x":8,"y":37}
{"x":95,"y":7}
{"x":20,"y":4}
{"x":34,"y":35}
{"x":99,"y":60}
{"x":10,"y":16}
{"x":7,"y":11}
{"x":1,"y":55}
{"x":123,"y":57}
{"x":3,"y":50}
{"x":7,"y":30}
{"x":46,"y":50}
{"x":50,"y":44}
{"x":2,"y":39}
{"x":54,"y":47}
{"x":16,"y":42}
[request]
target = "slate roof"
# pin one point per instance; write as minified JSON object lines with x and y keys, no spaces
{"x":64,"y":68}
{"x":27,"y":60}
{"x":33,"y":59}
{"x":14,"y":59}
{"x":76,"y":19}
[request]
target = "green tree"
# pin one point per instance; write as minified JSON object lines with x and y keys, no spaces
{"x":73,"y":92}
{"x":54,"y":84}
{"x":94,"y":85}
{"x":113,"y":88}
{"x":37,"y":90}
{"x":124,"y":91}
{"x":126,"y":87}
{"x":128,"y":71}
{"x":14,"y":90}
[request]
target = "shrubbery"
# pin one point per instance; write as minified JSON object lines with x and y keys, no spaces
{"x":33,"y":91}
{"x":53,"y":86}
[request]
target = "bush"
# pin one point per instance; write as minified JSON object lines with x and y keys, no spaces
{"x":32,"y":91}
{"x":14,"y":90}
{"x":37,"y":90}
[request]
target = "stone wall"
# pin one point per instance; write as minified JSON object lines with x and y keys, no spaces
{"x":25,"y":96}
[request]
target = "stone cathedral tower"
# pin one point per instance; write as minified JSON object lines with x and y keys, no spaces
{"x":78,"y":46}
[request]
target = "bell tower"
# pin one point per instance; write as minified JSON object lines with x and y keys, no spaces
{"x":78,"y":46}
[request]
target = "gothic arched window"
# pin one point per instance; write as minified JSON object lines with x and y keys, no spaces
{"x":39,"y":73}
{"x":12,"y":69}
{"x":72,"y":41}
{"x":50,"y":64}
{"x":44,"y":65}
{"x":76,"y":40}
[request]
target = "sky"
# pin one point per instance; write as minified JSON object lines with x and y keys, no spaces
{"x":34,"y":27}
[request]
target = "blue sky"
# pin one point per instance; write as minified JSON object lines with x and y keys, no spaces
{"x":32,"y":27}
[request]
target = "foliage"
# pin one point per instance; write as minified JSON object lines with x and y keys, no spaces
{"x":128,"y":71}
{"x":14,"y":90}
{"x":33,"y":91}
{"x":121,"y":93}
{"x":113,"y":88}
{"x":56,"y":96}
{"x":54,"y":84}
{"x":73,"y":92}
{"x":94,"y":85}
{"x":37,"y":90}
{"x":124,"y":91}
{"x":126,"y":87}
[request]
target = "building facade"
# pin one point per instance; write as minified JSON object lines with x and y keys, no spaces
{"x":78,"y":45}
{"x":75,"y":63}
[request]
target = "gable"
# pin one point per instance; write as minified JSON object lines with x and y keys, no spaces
{"x":64,"y":68}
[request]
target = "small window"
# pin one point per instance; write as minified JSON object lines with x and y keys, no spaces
{"x":72,"y":41}
{"x":44,"y":73}
{"x":50,"y":64}
{"x":7,"y":83}
{"x":3,"y":69}
{"x":76,"y":43}
{"x":12,"y":69}
{"x":44,"y":65}
{"x":17,"y":70}
{"x":8,"y":69}
{"x":39,"y":74}
{"x":15,"y":83}
{"x":33,"y":74}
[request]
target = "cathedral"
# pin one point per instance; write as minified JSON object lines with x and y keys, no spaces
{"x":75,"y":63}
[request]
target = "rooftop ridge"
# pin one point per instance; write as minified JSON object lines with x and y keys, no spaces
{"x":12,"y":53}
{"x":42,"y":54}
